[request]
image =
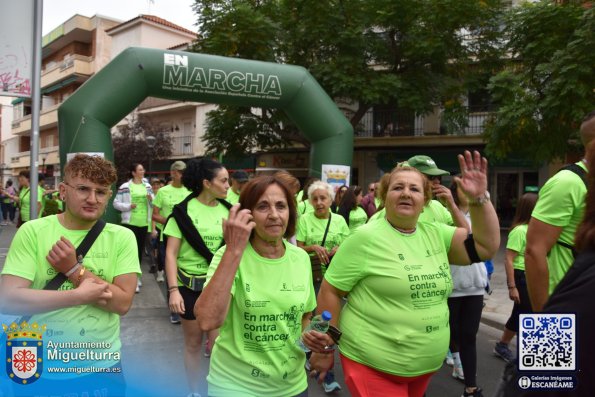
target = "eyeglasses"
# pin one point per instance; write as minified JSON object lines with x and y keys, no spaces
{"x":84,"y":192}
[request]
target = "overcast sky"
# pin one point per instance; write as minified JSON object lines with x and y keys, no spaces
{"x":56,"y":12}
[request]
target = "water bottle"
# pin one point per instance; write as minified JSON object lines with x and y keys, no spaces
{"x":319,"y":323}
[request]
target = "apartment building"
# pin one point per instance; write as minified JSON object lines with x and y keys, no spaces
{"x":183,"y":121}
{"x":71,"y":54}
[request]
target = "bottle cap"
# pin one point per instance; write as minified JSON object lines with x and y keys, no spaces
{"x":326,"y":316}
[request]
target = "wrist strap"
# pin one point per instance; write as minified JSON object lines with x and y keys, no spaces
{"x":73,"y":269}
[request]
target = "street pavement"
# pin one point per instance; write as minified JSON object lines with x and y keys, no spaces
{"x":153,"y":348}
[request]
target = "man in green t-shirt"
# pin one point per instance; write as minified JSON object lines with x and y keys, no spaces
{"x":554,"y":220}
{"x":82,"y":316}
{"x":238,"y":180}
{"x":164,"y":202}
{"x":442,"y":208}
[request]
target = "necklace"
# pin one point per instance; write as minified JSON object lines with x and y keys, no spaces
{"x":398,"y":229}
{"x":405,"y":231}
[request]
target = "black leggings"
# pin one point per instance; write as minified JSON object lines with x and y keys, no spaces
{"x":465,"y":314}
{"x":140,"y":233}
{"x":525,"y":306}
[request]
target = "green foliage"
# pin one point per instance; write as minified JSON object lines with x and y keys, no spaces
{"x":548,"y":87}
{"x":413,"y":53}
{"x":130,"y":146}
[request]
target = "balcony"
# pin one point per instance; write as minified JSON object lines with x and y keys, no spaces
{"x":23,"y":159}
{"x":48,"y":118}
{"x":74,"y":65}
{"x":183,"y":145}
{"x":391,"y":124}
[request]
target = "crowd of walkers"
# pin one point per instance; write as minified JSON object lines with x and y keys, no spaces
{"x":400,"y":268}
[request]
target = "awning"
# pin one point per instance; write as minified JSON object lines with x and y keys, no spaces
{"x":59,"y":85}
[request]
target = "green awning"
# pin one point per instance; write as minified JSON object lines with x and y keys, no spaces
{"x":59,"y":85}
{"x":17,"y":101}
{"x":247,"y":162}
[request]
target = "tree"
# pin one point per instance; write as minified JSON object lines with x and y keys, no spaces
{"x":130,"y":146}
{"x":548,"y":86}
{"x":415,"y":54}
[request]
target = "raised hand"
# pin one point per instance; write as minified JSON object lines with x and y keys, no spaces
{"x":474,"y":174}
{"x":237,"y":228}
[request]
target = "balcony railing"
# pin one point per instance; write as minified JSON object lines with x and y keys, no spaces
{"x":183,"y":145}
{"x":392,"y":124}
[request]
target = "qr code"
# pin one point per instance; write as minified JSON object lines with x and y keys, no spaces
{"x":547,"y":342}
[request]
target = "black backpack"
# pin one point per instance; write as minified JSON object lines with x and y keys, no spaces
{"x":192,"y":236}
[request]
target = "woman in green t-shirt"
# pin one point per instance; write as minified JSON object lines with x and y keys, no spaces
{"x":396,"y":271}
{"x":202,"y":211}
{"x":514,"y":263}
{"x":259,"y":292}
{"x":320,"y":233}
{"x":351,"y":210}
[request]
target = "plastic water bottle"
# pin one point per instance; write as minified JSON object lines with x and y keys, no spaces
{"x":319,"y":323}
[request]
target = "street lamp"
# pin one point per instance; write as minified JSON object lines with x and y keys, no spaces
{"x":151,"y":140}
{"x":43,"y":157}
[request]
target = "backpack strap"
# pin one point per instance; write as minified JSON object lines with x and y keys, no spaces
{"x":81,"y":251}
{"x":580,"y":171}
{"x":577,"y":169}
{"x":189,"y":232}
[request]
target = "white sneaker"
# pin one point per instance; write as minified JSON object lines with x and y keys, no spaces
{"x":137,"y":289}
{"x":160,"y":277}
{"x":457,"y":372}
{"x":449,"y":360}
{"x":139,"y":283}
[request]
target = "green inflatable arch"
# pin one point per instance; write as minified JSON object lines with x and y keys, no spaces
{"x":85,"y":119}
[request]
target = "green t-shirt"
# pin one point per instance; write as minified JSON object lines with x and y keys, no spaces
{"x":517,"y":241}
{"x":256,"y":352}
{"x":109,"y":257}
{"x":232,"y":197}
{"x":166,"y":198}
{"x":25,"y":202}
{"x":436,"y":212}
{"x":398,"y":287}
{"x":377,"y":202}
{"x":138,"y":196}
{"x":357,"y":218}
{"x":433,"y":212}
{"x":311,"y":231}
{"x":304,"y":207}
{"x":378,"y":215}
{"x":209,"y":223}
{"x":561,"y":203}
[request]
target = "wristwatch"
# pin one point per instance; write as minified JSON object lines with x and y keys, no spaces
{"x":481,"y":200}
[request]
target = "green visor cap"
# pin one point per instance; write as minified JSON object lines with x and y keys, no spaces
{"x":426,"y":166}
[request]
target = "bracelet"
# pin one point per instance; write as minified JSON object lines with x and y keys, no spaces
{"x":328,"y":349}
{"x":511,"y":286}
{"x":80,"y":277}
{"x":172,"y":288}
{"x":72,"y":270}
